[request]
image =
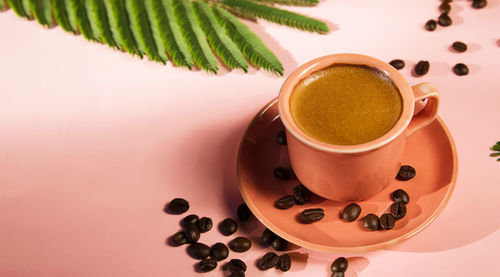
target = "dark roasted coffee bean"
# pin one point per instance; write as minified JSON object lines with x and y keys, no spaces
{"x":398,"y":210}
{"x":339,"y":265}
{"x":400,"y":195}
{"x":219,"y":251}
{"x":479,"y":4}
{"x":269,"y":260}
{"x":351,"y":212}
{"x":243,"y":212}
{"x":397,"y":64}
{"x":461,"y":69}
{"x":282,"y":137}
{"x":370,"y":222}
{"x":431,"y":25}
{"x":240,"y":244}
{"x":284,"y":263}
{"x":198,"y":250}
{"x":444,"y":7}
{"x":301,"y":194}
{"x":192,"y":233}
{"x":237,"y":274}
{"x":312,"y":215}
{"x":406,"y":172}
{"x":338,"y":274}
{"x":279,"y":244}
{"x":236,"y":265}
{"x":179,"y":238}
{"x":205,"y":224}
{"x":387,"y":221}
{"x":459,"y":46}
{"x":177,"y":206}
{"x":190,"y":219}
{"x":268,"y":237}
{"x":228,"y":226}
{"x":422,"y":68}
{"x":282,"y":173}
{"x":444,"y":20}
{"x":207,"y":265}
{"x":285,"y":202}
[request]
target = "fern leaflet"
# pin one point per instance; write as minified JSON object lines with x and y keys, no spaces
{"x":61,"y":15}
{"x":19,"y":8}
{"x":291,"y":2}
{"x":119,"y":23}
{"x":155,"y":30}
{"x":99,"y":21}
{"x":78,"y":12}
{"x":42,"y":11}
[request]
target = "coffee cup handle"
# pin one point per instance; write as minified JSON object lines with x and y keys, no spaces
{"x":423,"y":114}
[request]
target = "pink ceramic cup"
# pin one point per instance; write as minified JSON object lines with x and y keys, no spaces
{"x":354,"y":172}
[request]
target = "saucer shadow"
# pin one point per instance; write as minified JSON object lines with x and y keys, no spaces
{"x":299,"y":260}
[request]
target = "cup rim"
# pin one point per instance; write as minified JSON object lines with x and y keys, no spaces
{"x":317,"y":64}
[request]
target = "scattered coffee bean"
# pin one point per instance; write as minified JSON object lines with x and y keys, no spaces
{"x":198,"y":250}
{"x":351,"y":212}
{"x":397,"y":64}
{"x":461,"y":69}
{"x":406,"y":172}
{"x":190,"y":219}
{"x":301,"y":194}
{"x":444,"y":7}
{"x":240,"y":244}
{"x":269,"y":260}
{"x":400,"y":195}
{"x":228,"y":226}
{"x":282,"y":138}
{"x":387,"y":221}
{"x":371,"y":222}
{"x":398,"y":210}
{"x":179,"y":238}
{"x":244,"y":212}
{"x":207,"y":265}
{"x":219,"y":251}
{"x":339,"y":265}
{"x":192,"y":233}
{"x":444,"y":20}
{"x":177,"y":206}
{"x":279,"y":244}
{"x":312,"y":215}
{"x":236,"y":265}
{"x":338,"y":274}
{"x":431,"y":25}
{"x":284,"y":263}
{"x":285,"y":202}
{"x":268,"y":237}
{"x":459,"y":46}
{"x":205,"y":224}
{"x":282,"y":173}
{"x":422,"y":68}
{"x":479,"y":4}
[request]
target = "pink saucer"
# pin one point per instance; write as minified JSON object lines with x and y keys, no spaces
{"x":431,"y":151}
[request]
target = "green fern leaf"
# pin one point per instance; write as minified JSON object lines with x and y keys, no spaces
{"x":42,"y":11}
{"x":155,"y":31}
{"x":61,"y":15}
{"x":195,"y":39}
{"x":99,"y":22}
{"x":21,"y":8}
{"x":119,"y":23}
{"x":78,"y":13}
{"x":218,"y":40}
{"x":291,"y":2}
{"x":277,"y":15}
{"x":248,"y":42}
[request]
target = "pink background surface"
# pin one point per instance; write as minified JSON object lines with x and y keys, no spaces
{"x":94,"y":143}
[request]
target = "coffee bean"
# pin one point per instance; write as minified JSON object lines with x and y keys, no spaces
{"x":282,"y":173}
{"x":444,"y":7}
{"x":312,"y":215}
{"x":444,"y":20}
{"x":284,"y":263}
{"x":351,"y":212}
{"x":398,"y":210}
{"x":219,"y":251}
{"x":461,"y":69}
{"x":301,"y":194}
{"x":205,"y":224}
{"x":459,"y":46}
{"x":240,"y":244}
{"x":279,"y":244}
{"x":338,"y":274}
{"x":190,"y":219}
{"x":397,"y":64}
{"x":431,"y":25}
{"x":479,"y":4}
{"x":285,"y":202}
{"x":339,"y":265}
{"x":243,"y":212}
{"x":422,"y":68}
{"x":192,"y":233}
{"x":228,"y":226}
{"x":269,"y":260}
{"x":236,"y":265}
{"x":282,"y":138}
{"x":177,"y":206}
{"x":268,"y":237}
{"x":207,"y":265}
{"x":400,"y":195}
{"x":387,"y":221}
{"x":370,"y":222}
{"x":406,"y":172}
{"x":198,"y":250}
{"x":179,"y":238}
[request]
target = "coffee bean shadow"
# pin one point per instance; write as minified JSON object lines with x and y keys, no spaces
{"x":497,"y":42}
{"x":356,"y":265}
{"x":473,"y":69}
{"x":299,"y":260}
{"x":435,"y":69}
{"x":471,"y":48}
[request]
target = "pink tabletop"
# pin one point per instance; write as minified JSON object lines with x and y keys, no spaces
{"x":94,"y":143}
